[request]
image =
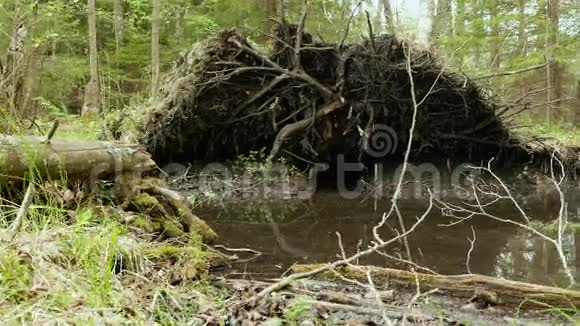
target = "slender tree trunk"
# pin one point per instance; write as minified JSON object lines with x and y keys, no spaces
{"x":441,"y":19}
{"x":577,"y":114}
{"x":31,"y":80}
{"x":577,"y":251}
{"x":378,"y":26}
{"x":522,"y":33}
{"x":271,"y":9}
{"x":478,"y":30}
{"x":554,"y":68}
{"x":155,"y":57}
{"x":11,"y":78}
{"x":496,"y":44}
{"x":389,"y":18}
{"x":179,"y":23}
{"x":460,"y":28}
{"x":92,"y":98}
{"x":430,"y":6}
{"x":118,"y":22}
{"x":283,"y":10}
{"x":31,"y":71}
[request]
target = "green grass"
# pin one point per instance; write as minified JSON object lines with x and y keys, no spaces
{"x":84,"y":266}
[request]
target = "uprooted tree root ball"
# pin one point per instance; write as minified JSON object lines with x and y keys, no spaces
{"x":316,"y":101}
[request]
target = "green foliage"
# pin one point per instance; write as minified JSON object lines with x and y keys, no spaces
{"x":15,"y":276}
{"x":69,"y":271}
{"x":300,"y":309}
{"x":60,"y":27}
{"x":563,"y":134}
{"x":8,"y":123}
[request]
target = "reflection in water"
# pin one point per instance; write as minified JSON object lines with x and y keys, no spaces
{"x":535,"y":260}
{"x":290,"y":232}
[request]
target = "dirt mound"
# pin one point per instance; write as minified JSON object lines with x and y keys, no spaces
{"x":316,"y":101}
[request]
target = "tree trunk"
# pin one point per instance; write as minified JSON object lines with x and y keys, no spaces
{"x":11,"y":78}
{"x":389,"y":18}
{"x":90,"y":161}
{"x":522,"y":33}
{"x":30,"y":72}
{"x":59,"y":159}
{"x":465,"y":286}
{"x":478,"y":30}
{"x":155,"y":57}
{"x":496,"y":44}
{"x":577,"y":112}
{"x":460,"y":29}
{"x":92,"y":98}
{"x":441,"y":19}
{"x":118,"y":22}
{"x":179,"y":23}
{"x":31,"y":81}
{"x":554,"y":68}
{"x":271,"y":10}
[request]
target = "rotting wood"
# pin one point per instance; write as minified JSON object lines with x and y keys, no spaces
{"x":65,"y":159}
{"x":23,"y":157}
{"x":464,"y":286}
{"x":189,"y":220}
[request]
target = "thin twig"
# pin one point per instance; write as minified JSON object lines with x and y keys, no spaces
{"x":470,"y":251}
{"x":51,"y":132}
{"x":479,"y":209}
{"x":22,"y":211}
{"x":297,"y":276}
{"x":513,"y":72}
{"x":298,"y":44}
{"x":371,"y":34}
{"x":347,"y":29}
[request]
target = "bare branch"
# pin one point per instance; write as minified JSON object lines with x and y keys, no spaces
{"x":480,"y":210}
{"x":297,"y":276}
{"x":22,"y":211}
{"x":470,"y":251}
{"x":347,"y":29}
{"x":299,"y":35}
{"x":514,"y":72}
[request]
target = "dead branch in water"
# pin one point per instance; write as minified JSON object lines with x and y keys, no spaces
{"x":464,"y":286}
{"x":465,"y":211}
{"x":291,"y":278}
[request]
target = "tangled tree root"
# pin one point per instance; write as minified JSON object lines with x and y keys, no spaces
{"x":317,"y":101}
{"x":164,"y":211}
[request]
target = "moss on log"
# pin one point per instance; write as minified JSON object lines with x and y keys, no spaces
{"x":88,"y":161}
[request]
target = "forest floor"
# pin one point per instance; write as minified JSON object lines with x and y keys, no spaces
{"x":78,"y":263}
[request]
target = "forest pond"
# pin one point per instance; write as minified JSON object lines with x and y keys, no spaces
{"x":305,"y":231}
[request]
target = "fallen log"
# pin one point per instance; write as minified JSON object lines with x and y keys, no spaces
{"x":463,"y":286}
{"x":62,"y":159}
{"x":44,"y":159}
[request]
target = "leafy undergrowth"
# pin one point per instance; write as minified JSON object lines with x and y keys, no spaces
{"x":557,"y":133}
{"x":82,"y":267}
{"x":116,"y":125}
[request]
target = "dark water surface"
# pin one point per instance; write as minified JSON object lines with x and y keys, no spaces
{"x":304,"y":231}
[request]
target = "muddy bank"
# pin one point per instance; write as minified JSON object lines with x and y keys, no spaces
{"x":317,"y":302}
